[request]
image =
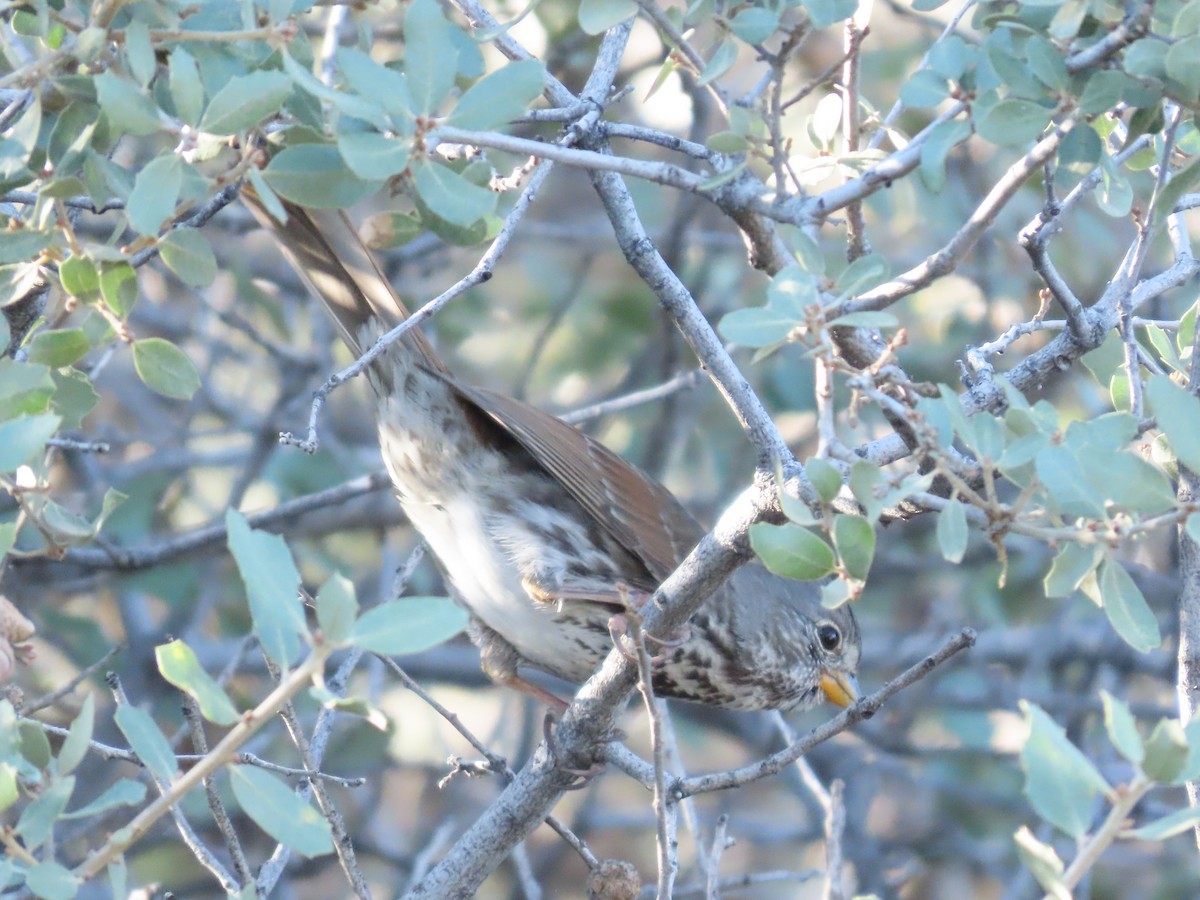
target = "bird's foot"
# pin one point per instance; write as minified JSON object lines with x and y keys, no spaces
{"x":583,"y":776}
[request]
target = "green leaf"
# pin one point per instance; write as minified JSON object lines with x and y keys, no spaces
{"x":1128,"y":483}
{"x":1080,"y":150}
{"x":1043,"y":863}
{"x":10,"y":793}
{"x":791,"y":290}
{"x":142,"y":64}
{"x":1166,"y":751}
{"x":1071,"y":565}
{"x":1179,"y":417}
{"x":1181,"y":183}
{"x":245,"y":101}
{"x":1147,"y":58}
{"x":52,"y":881}
{"x":315,"y":175}
{"x":924,"y":89}
{"x":944,"y":138}
{"x":792,"y":551}
{"x":854,"y":538}
{"x":35,"y":746}
{"x":754,"y":24}
{"x":272,"y":582}
{"x":758,"y":327}
{"x":23,"y":437}
{"x":80,"y":278}
{"x":429,"y":49}
{"x":147,"y":741}
{"x":23,"y":245}
{"x":721,"y":62}
{"x":728,"y":142}
{"x":809,"y":258}
{"x":178,"y":664}
{"x":826,"y":12}
{"x":381,"y":84}
{"x":951,"y":56}
{"x":384,"y":230}
{"x":1047,"y":63}
{"x":58,"y":348}
{"x":952,"y":531}
{"x":25,"y":389}
{"x":867,"y":484}
{"x":126,"y":106}
{"x":277,"y":810}
{"x":826,"y":122}
{"x":1122,"y":728}
{"x":74,"y":397}
{"x":597,"y":16}
{"x":501,"y":97}
{"x":75,"y":746}
{"x":408,"y":625}
{"x":1115,"y":196}
{"x":374,"y":156}
{"x":125,"y":792}
{"x":187,"y":253}
{"x":1059,"y":471}
{"x":155,"y":193}
{"x":1168,"y":826}
{"x":1126,"y":608}
{"x":1103,"y":92}
{"x":1183,"y":64}
{"x":863,"y":274}
{"x":165,"y":368}
{"x":119,"y":287}
{"x":1012,"y":122}
{"x":825,"y":478}
{"x":37,"y":820}
{"x":1060,"y":782}
{"x":187,"y":89}
{"x":337,"y":608}
{"x":450,"y":196}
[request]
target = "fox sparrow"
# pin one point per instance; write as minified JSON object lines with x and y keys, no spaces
{"x":542,"y":531}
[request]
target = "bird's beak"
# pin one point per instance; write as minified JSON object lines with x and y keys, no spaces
{"x":840,"y":688}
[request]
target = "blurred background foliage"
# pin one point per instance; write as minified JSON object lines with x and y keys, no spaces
{"x":934,"y":785}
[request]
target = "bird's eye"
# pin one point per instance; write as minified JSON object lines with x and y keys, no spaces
{"x":829,"y":636}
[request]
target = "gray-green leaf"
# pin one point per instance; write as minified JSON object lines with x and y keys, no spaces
{"x":408,"y":625}
{"x":272,"y":582}
{"x":165,"y":368}
{"x":279,"y":812}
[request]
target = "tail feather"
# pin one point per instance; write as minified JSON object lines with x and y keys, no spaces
{"x":337,"y":268}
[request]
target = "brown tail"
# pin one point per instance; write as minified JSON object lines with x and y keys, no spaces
{"x":341,"y":273}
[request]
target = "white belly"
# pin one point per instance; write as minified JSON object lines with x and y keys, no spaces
{"x":488,"y":582}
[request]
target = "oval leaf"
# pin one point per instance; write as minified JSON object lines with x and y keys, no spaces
{"x":451,"y":197}
{"x":245,"y":101}
{"x":499,"y":98}
{"x":24,"y":436}
{"x":952,"y":531}
{"x":1060,"y":782}
{"x":408,"y":625}
{"x":272,"y":582}
{"x":792,"y":551}
{"x":277,"y":810}
{"x":187,"y":253}
{"x":147,"y":741}
{"x":178,"y":664}
{"x":165,"y":368}
{"x":854,"y":538}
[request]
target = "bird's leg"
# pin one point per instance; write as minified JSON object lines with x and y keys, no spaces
{"x":635,"y":601}
{"x":499,"y":660}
